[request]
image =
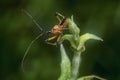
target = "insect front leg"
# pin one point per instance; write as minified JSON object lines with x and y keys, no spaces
{"x":58,"y":15}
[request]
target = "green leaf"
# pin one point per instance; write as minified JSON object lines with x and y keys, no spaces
{"x":86,"y":37}
{"x":65,"y":65}
{"x":70,"y":38}
{"x":91,"y":77}
{"x":73,"y":28}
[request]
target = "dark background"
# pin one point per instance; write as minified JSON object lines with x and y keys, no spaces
{"x":100,"y":17}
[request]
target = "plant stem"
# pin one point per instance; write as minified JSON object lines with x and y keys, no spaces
{"x":75,"y":65}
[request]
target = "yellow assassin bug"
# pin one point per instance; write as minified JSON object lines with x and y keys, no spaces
{"x":56,"y":31}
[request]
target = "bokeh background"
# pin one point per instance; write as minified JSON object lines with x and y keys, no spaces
{"x":100,"y":17}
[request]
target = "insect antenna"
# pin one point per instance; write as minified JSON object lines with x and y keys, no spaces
{"x":35,"y":22}
{"x":27,"y":50}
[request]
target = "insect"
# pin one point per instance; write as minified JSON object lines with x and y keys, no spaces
{"x":56,"y":33}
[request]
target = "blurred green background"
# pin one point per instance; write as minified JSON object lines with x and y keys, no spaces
{"x":100,"y":17}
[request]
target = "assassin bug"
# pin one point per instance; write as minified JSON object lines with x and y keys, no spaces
{"x":56,"y":32}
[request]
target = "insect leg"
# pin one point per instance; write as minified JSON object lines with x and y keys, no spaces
{"x":58,"y":14}
{"x":58,"y":19}
{"x":49,"y":39}
{"x":59,"y":40}
{"x":27,"y":50}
